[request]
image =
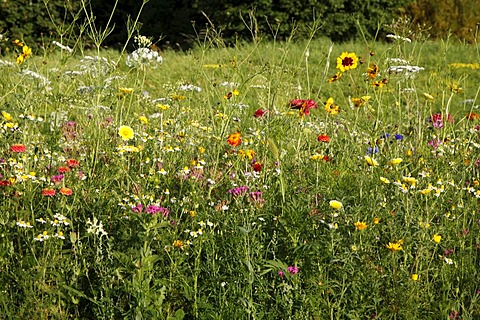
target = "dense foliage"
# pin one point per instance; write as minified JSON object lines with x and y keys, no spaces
{"x":179,"y":24}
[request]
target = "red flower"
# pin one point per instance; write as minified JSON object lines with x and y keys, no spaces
{"x":5,"y":183}
{"x":234,"y":139}
{"x":257,"y":167}
{"x":259,"y":113}
{"x":66,"y":191}
{"x":72,"y":163}
{"x":18,"y":148}
{"x":323,"y":138}
{"x":304,"y":105}
{"x":64,"y":169}
{"x":48,"y":192}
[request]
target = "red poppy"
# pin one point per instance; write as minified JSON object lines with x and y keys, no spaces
{"x":18,"y":148}
{"x":48,"y":192}
{"x":323,"y":138}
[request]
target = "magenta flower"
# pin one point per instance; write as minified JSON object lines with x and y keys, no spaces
{"x":138,"y":208}
{"x":281,"y":273}
{"x":293,"y":269}
{"x":238,"y":191}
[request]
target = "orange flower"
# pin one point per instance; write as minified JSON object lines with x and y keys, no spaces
{"x":64,"y":169}
{"x":66,"y":191}
{"x":473,"y":116}
{"x":48,"y":192}
{"x":18,"y":148}
{"x":234,"y":139}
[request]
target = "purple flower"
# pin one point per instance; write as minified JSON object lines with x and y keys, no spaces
{"x":398,"y":136}
{"x":293,"y":269}
{"x":154,"y":209}
{"x":281,"y":273}
{"x":138,"y":208}
{"x":371,"y":150}
{"x":238,"y":191}
{"x":57,"y":178}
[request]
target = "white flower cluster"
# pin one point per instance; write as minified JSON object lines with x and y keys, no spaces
{"x":144,"y":57}
{"x":189,"y":87}
{"x":394,"y":36}
{"x":93,"y":65}
{"x":404,"y":68}
{"x":61,"y":46}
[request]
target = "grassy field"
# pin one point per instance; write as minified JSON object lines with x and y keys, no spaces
{"x":271,"y":180}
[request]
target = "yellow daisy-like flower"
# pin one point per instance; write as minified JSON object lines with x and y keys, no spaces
{"x":125,"y":132}
{"x":395,"y":161}
{"x":414,"y":277}
{"x":337,"y":205}
{"x":371,"y":162}
{"x":26,"y":51}
{"x":347,"y":61}
{"x":336,"y":77}
{"x":395,"y":246}
{"x":437,"y":238}
{"x":331,"y":107}
{"x":360,"y":225}
{"x":372,"y":71}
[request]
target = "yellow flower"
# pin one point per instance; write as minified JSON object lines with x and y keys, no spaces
{"x":143,"y":119}
{"x":395,"y":246}
{"x":384,"y":180}
{"x":331,"y":108}
{"x":428,"y":96}
{"x":395,"y":161}
{"x":376,"y":220}
{"x":371,"y":162}
{"x":414,"y":277}
{"x":125,"y":90}
{"x":20,"y":59}
{"x":347,"y":61}
{"x":26,"y":51}
{"x":125,"y":132}
{"x":7,"y":116}
{"x":337,"y":205}
{"x":437,"y":238}
{"x":360,"y":225}
{"x":337,"y":76}
{"x":410,"y":180}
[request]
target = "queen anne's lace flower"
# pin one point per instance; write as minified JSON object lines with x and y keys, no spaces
{"x":144,"y":57}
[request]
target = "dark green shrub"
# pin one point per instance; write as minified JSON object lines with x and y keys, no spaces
{"x":35,"y":22}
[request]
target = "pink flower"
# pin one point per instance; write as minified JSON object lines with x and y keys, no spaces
{"x":293,"y":269}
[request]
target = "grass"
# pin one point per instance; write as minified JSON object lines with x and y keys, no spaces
{"x":186,"y":220}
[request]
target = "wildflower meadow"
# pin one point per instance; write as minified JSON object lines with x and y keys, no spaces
{"x":294,"y":179}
